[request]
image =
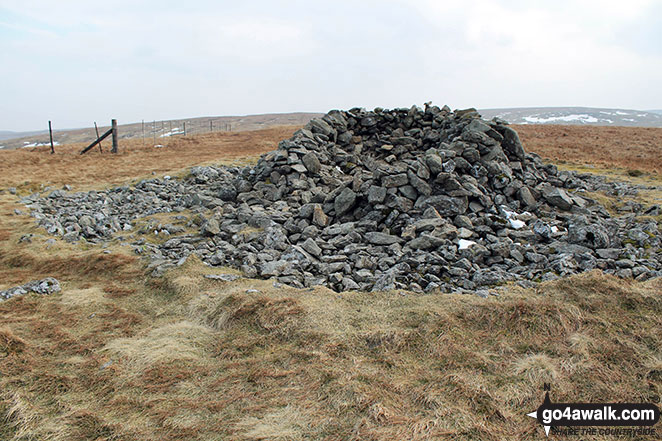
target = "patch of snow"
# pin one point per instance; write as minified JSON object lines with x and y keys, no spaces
{"x":628,"y":119}
{"x":517,"y":224}
{"x":39,"y":144}
{"x":585,"y":118}
{"x":606,"y":113}
{"x":555,"y":229}
{"x":507,"y":213}
{"x":158,"y":146}
{"x":173,"y":132}
{"x":464,"y":244}
{"x":618,"y":112}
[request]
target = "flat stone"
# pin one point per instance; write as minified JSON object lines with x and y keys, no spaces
{"x":390,"y":181}
{"x":425,"y":242}
{"x":378,"y":238}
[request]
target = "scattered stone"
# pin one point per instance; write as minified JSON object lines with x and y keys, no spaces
{"x":222,"y":277}
{"x":49,"y":285}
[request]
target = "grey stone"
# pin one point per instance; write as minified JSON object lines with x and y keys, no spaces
{"x":381,"y":238}
{"x":349,"y":285}
{"x":557,"y":197}
{"x":222,"y":277}
{"x":434,"y":163}
{"x":319,"y":217}
{"x":425,"y":242}
{"x":419,"y":184}
{"x":312,"y":163}
{"x":526,"y":197}
{"x":511,"y":143}
{"x":398,"y":180}
{"x":445,"y":205}
{"x":275,"y":268}
{"x":593,"y":236}
{"x":376,"y":195}
{"x":384,"y":282}
{"x":344,"y":201}
{"x":609,"y":253}
{"x":46,"y":286}
{"x":487,"y":277}
{"x":210,"y":228}
{"x":310,"y":246}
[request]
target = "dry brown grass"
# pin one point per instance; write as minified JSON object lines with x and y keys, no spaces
{"x":629,"y":148}
{"x":120,"y":356}
{"x":29,"y":169}
{"x":221,"y":363}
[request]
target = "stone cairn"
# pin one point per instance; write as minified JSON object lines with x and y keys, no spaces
{"x":418,"y":199}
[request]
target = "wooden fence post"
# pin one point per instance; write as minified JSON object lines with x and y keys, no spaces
{"x":97,"y":141}
{"x":114,"y":128}
{"x":50,"y":131}
{"x":96,"y":129}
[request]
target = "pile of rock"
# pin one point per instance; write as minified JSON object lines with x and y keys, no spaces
{"x":376,"y":200}
{"x":49,"y":285}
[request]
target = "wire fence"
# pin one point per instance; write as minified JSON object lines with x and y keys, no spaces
{"x":160,"y":132}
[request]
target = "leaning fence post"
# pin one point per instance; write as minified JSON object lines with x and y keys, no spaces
{"x":96,"y":129}
{"x":114,"y":128}
{"x":184,"y":128}
{"x":50,"y":131}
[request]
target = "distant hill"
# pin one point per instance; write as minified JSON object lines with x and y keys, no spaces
{"x":160,"y":129}
{"x":576,"y":115}
{"x":8,"y":134}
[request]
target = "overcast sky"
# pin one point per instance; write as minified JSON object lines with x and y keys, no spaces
{"x":75,"y":62}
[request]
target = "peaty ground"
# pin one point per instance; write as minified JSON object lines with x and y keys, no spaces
{"x":118,"y":355}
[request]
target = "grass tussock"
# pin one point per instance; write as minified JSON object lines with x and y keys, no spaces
{"x":9,"y":342}
{"x":224,"y":363}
